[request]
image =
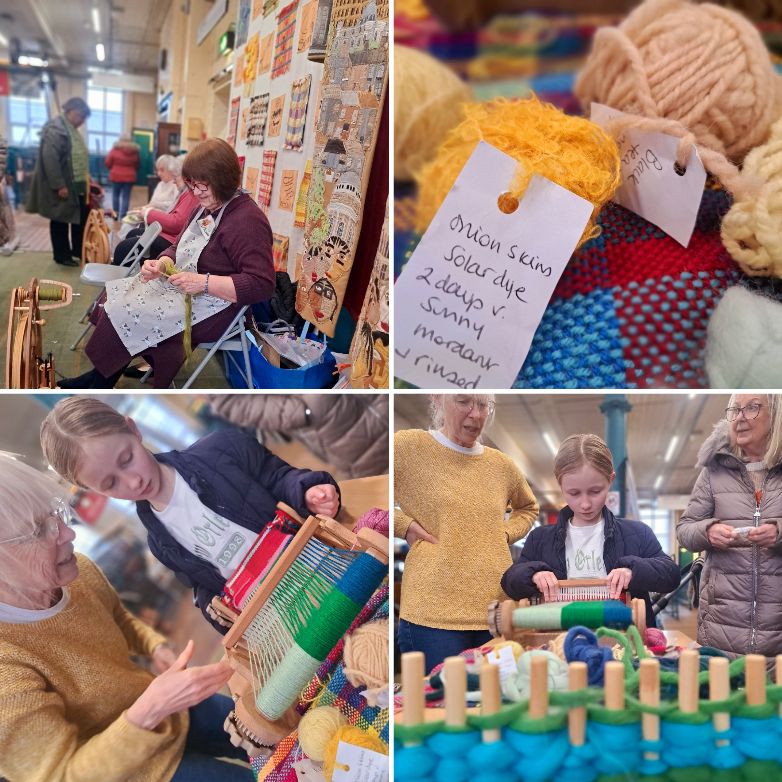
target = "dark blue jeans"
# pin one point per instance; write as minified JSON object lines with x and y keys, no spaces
{"x":120,"y":197}
{"x":207,"y":741}
{"x":438,"y":644}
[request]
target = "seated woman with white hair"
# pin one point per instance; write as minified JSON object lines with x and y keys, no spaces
{"x":72,"y":704}
{"x":453,"y":496}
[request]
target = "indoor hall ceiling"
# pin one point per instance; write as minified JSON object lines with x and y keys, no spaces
{"x":522,"y":419}
{"x":62,"y":31}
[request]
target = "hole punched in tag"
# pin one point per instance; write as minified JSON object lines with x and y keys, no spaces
{"x":680,"y":170}
{"x":507,"y":203}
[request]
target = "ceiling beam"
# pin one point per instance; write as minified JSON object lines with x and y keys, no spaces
{"x":37,"y":7}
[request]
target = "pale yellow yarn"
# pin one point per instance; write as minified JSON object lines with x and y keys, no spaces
{"x":354,"y":736}
{"x":571,"y":151}
{"x":428,"y":100}
{"x":366,"y":655}
{"x":752,"y":229}
{"x":316,"y":729}
{"x":699,"y":72}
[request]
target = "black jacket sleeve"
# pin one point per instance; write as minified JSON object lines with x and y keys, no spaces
{"x":203,"y":597}
{"x":653,"y":570}
{"x":517,"y":579}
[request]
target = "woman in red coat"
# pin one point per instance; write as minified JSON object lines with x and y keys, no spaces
{"x":122,"y":163}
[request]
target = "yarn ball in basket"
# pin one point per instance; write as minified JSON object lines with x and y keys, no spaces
{"x":349,"y":735}
{"x":316,"y":729}
{"x":702,"y":66}
{"x":428,"y":102}
{"x":571,"y":151}
{"x":366,"y":655}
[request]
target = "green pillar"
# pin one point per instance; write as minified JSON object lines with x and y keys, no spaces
{"x":615,"y":409}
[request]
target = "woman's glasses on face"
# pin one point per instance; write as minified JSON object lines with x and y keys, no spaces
{"x":49,"y":529}
{"x":196,"y":187}
{"x":466,"y":406}
{"x":752,"y":410}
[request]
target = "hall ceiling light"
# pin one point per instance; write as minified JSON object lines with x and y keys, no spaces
{"x":96,"y":20}
{"x":100,"y":52}
{"x":36,"y":62}
{"x":3,"y":39}
{"x":671,"y":447}
{"x":549,"y":440}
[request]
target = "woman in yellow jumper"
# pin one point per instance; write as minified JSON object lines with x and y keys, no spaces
{"x":72,"y":705}
{"x":453,"y":496}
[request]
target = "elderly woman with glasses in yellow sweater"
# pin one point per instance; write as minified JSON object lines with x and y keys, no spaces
{"x":73,"y":707}
{"x":459,"y":505}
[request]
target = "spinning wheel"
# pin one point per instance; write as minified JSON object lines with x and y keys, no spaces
{"x":95,"y":246}
{"x":24,"y":365}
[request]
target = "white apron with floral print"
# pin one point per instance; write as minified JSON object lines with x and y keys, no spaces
{"x":145,"y":313}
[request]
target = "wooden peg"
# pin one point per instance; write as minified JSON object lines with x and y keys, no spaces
{"x":689,"y":662}
{"x":614,"y":673}
{"x":755,"y":678}
{"x":577,"y":680}
{"x":649,"y":694}
{"x":490,"y":699}
{"x":455,"y":672}
{"x":538,"y":691}
{"x":719,"y":690}
{"x":413,"y":688}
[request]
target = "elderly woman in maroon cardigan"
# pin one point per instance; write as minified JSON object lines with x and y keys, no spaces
{"x":224,"y":260}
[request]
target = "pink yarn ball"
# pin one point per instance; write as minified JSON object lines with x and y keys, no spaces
{"x":376,"y":519}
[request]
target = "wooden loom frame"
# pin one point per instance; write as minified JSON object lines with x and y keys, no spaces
{"x":25,"y":367}
{"x":246,"y":726}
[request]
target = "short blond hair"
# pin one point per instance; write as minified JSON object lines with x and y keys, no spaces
{"x":773,"y":454}
{"x":69,"y":423}
{"x":580,"y":449}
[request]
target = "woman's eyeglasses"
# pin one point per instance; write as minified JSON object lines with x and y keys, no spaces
{"x":751,"y":411}
{"x":468,"y":405}
{"x":59,"y":516}
{"x":198,"y":188}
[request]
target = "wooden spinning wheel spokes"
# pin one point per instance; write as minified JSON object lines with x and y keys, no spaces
{"x":25,"y":367}
{"x":95,"y":245}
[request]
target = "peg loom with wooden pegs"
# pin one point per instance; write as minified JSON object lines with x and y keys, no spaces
{"x":579,"y":602}
{"x":298,"y":590}
{"x":624,"y":731}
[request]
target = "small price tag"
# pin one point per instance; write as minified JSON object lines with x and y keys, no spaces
{"x":503,"y":658}
{"x":651,"y":186}
{"x":363,"y":765}
{"x":474,"y":290}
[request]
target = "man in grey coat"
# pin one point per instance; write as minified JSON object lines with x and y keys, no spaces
{"x":61,"y":180}
{"x":734,"y":516}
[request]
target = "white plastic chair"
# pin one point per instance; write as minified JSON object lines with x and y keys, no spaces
{"x":98,"y":274}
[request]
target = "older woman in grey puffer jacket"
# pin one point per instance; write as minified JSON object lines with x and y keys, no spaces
{"x":740,"y":486}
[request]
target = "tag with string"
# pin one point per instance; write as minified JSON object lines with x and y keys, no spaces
{"x":654,"y":185}
{"x":472,"y":294}
{"x":357,"y":764}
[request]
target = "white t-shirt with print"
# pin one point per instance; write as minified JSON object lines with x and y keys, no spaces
{"x":584,"y":551}
{"x":203,"y":532}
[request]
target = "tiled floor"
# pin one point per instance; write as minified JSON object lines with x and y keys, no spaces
{"x":62,"y":326}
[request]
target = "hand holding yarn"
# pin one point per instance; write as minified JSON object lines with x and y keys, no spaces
{"x":153,"y":268}
{"x":188,"y":282}
{"x":547,"y":585}
{"x":720,"y":535}
{"x":322,"y":499}
{"x":765,"y":535}
{"x":618,"y":579}
{"x":416,"y":532}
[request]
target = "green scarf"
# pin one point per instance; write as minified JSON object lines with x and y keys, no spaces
{"x":79,"y":155}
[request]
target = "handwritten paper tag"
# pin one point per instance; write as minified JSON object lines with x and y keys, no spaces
{"x":364,"y":765}
{"x":503,"y":658}
{"x":650,"y":185}
{"x":474,"y":290}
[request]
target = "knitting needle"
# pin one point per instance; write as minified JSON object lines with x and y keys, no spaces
{"x":413,"y":690}
{"x":490,"y":699}
{"x":455,"y":673}
{"x":538,"y":692}
{"x":577,"y":681}
{"x":649,"y":694}
{"x":689,"y":661}
{"x":755,"y":678}
{"x":719,"y":690}
{"x":614,"y":673}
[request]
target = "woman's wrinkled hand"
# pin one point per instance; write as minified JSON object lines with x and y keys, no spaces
{"x":547,"y":585}
{"x":764,"y":535}
{"x":178,"y":689}
{"x":721,"y":535}
{"x":152,"y":269}
{"x":618,"y":579}
{"x":416,"y":532}
{"x":322,"y":499}
{"x":163,"y":657}
{"x":63,"y":193}
{"x":188,"y":282}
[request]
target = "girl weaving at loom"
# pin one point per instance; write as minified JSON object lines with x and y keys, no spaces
{"x":73,"y":707}
{"x":223,"y":261}
{"x":588,"y":541}
{"x":453,"y":494}
{"x":203,"y":507}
